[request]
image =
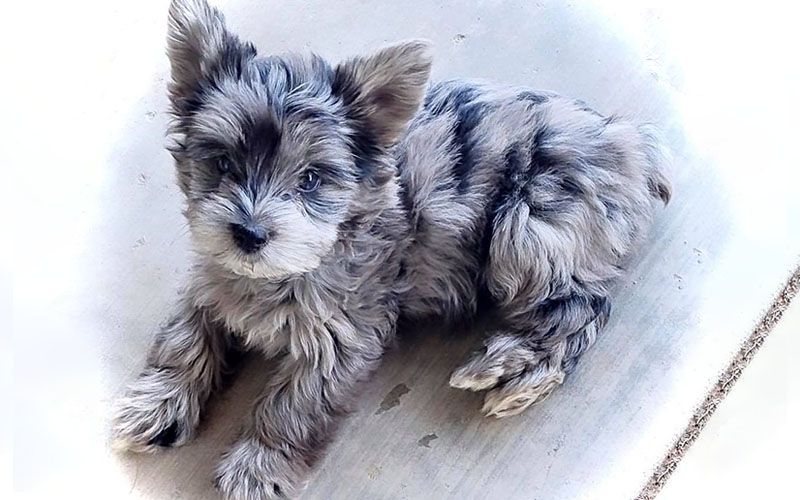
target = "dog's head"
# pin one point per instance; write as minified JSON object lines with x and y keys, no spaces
{"x":277,"y":155}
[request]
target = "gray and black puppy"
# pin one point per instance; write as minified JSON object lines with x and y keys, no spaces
{"x":325,"y":202}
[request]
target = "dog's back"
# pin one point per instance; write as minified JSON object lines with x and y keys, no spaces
{"x":522,"y":193}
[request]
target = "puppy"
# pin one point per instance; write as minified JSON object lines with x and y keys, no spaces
{"x":326,"y":201}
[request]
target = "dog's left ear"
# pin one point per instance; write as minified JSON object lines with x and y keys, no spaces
{"x":200,"y":47}
{"x":382,"y":92}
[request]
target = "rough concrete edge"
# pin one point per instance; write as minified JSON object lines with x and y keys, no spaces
{"x":721,"y":388}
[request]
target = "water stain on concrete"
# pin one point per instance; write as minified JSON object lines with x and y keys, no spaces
{"x":393,"y":398}
{"x":425,"y":441}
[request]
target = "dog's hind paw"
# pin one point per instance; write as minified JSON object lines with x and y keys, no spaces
{"x":528,"y":388}
{"x":515,"y":375}
{"x":505,"y":357}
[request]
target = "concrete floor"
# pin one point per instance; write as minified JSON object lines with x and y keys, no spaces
{"x":100,"y":246}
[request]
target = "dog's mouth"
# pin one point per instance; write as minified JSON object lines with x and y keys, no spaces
{"x":253,"y":266}
{"x":248,"y":266}
{"x":239,"y":263}
{"x":247,"y":269}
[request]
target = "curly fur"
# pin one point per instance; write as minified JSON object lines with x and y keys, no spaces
{"x":419,"y":200}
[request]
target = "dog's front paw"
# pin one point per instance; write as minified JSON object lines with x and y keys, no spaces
{"x":156,"y":412}
{"x":250,"y":470}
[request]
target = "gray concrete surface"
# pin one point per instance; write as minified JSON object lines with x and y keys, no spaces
{"x":100,"y":246}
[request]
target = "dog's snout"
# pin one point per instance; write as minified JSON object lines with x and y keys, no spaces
{"x":249,"y":237}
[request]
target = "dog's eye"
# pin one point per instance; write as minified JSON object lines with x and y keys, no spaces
{"x":309,"y":182}
{"x":223,"y":165}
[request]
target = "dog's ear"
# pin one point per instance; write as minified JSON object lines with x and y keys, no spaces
{"x":382,"y":92}
{"x":199,"y":46}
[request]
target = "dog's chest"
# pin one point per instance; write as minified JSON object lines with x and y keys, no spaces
{"x":271,"y":317}
{"x":262,"y":324}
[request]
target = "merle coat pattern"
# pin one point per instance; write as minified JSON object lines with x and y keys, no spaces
{"x":324,"y":202}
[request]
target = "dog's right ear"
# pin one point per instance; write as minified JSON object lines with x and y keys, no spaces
{"x":200,"y":47}
{"x":383,"y":91}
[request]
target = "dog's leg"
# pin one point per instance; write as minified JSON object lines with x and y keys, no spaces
{"x":162,"y":406}
{"x":296,"y":417}
{"x":551,"y":304}
{"x":522,"y":366}
{"x":550,"y":317}
{"x":549,"y":272}
{"x":574,"y":201}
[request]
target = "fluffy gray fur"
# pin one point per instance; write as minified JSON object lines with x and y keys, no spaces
{"x":324,"y":202}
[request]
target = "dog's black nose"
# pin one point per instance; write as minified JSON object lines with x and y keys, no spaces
{"x":249,"y":237}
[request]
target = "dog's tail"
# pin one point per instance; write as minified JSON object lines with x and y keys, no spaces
{"x":659,"y":161}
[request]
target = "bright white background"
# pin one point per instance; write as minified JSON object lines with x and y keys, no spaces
{"x":97,"y":245}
